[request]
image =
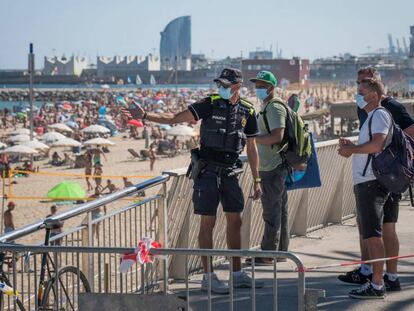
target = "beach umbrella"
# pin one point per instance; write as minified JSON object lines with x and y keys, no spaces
{"x":61,"y":127}
{"x":20,"y":115}
{"x":120,"y":100}
{"x":165,"y":127}
{"x":66,"y":106}
{"x":181,"y":130}
{"x":136,"y":123}
{"x":66,"y":190}
{"x":98,"y":142}
{"x":20,"y":132}
{"x":52,"y":136}
{"x":34,"y":144}
{"x":19,"y":138}
{"x":96,"y":129}
{"x":66,"y":142}
{"x":19,"y":149}
{"x":72,"y":124}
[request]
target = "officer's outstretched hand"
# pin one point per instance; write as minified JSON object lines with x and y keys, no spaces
{"x":257,"y":191}
{"x":133,"y":113}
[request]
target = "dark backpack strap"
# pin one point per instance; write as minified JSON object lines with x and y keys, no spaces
{"x":370,"y":156}
{"x":370,"y":138}
{"x":266,"y":122}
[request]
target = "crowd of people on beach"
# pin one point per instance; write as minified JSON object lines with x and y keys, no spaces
{"x":148,"y":108}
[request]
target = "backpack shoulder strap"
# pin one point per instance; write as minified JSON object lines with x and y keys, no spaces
{"x":370,"y":156}
{"x":274,"y":100}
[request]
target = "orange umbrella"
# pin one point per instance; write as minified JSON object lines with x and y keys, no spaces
{"x":67,"y":106}
{"x":136,"y":123}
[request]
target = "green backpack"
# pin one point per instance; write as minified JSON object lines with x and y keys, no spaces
{"x":296,"y":148}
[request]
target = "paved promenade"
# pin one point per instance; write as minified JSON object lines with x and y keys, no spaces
{"x":326,"y":246}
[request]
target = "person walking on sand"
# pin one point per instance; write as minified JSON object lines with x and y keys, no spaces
{"x":152,"y":156}
{"x":98,"y":175}
{"x":88,"y":168}
{"x":8,"y":218}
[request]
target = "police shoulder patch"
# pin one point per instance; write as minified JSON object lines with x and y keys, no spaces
{"x":247,"y":104}
{"x":213,"y":97}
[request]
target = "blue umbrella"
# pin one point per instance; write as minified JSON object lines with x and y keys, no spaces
{"x":72,"y":124}
{"x":120,"y":100}
{"x":164,"y":127}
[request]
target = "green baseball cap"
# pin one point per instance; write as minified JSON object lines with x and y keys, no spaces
{"x":265,"y":76}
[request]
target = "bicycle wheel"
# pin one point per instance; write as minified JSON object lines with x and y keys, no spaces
{"x":71,"y":282}
{"x":5,"y":280}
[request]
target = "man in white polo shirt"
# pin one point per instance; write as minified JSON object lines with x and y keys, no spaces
{"x":369,"y":194}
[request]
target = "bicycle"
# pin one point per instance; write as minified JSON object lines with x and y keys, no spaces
{"x":5,"y":281}
{"x":47,"y":298}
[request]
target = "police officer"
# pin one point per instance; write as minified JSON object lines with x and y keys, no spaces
{"x":228,"y":124}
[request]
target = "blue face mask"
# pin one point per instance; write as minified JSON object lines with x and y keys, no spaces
{"x":225,"y":93}
{"x":261,"y":94}
{"x":360,"y":101}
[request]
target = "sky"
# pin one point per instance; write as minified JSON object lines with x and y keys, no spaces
{"x":304,"y":28}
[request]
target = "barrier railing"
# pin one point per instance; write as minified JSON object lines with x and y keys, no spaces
{"x":168,"y":217}
{"x":65,"y":282}
{"x":309,"y":209}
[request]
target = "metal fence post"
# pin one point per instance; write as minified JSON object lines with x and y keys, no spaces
{"x":163,"y":232}
{"x":87,"y":240}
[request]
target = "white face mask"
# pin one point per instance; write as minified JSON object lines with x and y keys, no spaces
{"x":360,"y":101}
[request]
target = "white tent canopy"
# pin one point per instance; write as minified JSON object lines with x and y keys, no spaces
{"x":66,"y":142}
{"x":98,"y":142}
{"x":52,"y":137}
{"x":37,"y":145}
{"x":20,"y":131}
{"x":19,"y":149}
{"x":96,"y":129}
{"x":181,"y":130}
{"x":61,"y":127}
{"x":19,"y":138}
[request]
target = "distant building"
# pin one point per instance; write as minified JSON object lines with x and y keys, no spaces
{"x":175,"y":45}
{"x":261,"y":55}
{"x":411,"y":55}
{"x":63,"y":66}
{"x":287,"y":71}
{"x":198,"y":61}
{"x":124,"y":67}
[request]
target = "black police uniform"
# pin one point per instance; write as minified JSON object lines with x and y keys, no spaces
{"x":224,"y":129}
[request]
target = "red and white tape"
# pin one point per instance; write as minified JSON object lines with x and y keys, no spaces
{"x":352,"y":263}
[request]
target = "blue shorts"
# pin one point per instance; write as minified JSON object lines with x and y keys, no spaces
{"x":210,"y":189}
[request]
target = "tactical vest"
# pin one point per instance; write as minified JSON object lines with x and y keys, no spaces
{"x":224,"y":130}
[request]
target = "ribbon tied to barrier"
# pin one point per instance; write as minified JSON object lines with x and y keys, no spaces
{"x":141,"y":254}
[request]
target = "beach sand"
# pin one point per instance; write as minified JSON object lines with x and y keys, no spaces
{"x":119,"y":163}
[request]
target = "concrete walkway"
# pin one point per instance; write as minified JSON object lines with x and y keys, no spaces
{"x":330,"y":245}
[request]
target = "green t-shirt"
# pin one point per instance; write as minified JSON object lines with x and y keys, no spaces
{"x":276,"y":117}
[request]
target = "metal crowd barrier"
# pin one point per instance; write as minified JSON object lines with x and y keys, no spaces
{"x":167,"y":216}
{"x":26,"y":277}
{"x":309,"y":209}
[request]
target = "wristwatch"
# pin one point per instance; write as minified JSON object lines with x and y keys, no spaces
{"x":257,"y":180}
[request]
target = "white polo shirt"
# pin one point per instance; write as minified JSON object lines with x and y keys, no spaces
{"x":381,"y":124}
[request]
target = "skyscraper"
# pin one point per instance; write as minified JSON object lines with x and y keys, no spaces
{"x":175,"y":45}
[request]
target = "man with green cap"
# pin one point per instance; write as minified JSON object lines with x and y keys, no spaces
{"x":272,"y":169}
